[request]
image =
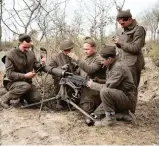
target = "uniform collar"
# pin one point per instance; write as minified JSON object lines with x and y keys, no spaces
{"x":131,"y":26}
{"x":112,"y":64}
{"x":91,"y":56}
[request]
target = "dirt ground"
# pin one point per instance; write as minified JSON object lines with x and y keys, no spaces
{"x":23,"y":126}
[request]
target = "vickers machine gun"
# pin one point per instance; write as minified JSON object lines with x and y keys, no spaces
{"x":68,"y":80}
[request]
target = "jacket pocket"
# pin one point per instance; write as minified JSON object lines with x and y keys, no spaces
{"x":129,"y":59}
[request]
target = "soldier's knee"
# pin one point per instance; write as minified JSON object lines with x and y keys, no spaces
{"x":26,"y":87}
{"x":104,"y":91}
{"x":106,"y":94}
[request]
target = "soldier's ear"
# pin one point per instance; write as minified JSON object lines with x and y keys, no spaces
{"x":110,"y":58}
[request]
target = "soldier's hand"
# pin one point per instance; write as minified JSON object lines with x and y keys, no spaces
{"x":29,"y":75}
{"x":89,"y":83}
{"x":73,"y":56}
{"x":115,"y":39}
{"x":65,"y":67}
{"x":96,"y":79}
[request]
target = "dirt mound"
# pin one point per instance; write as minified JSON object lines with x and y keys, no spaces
{"x":22,"y":126}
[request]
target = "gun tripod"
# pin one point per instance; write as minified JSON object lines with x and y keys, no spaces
{"x":62,"y":95}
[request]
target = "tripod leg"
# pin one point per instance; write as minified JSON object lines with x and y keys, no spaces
{"x":81,"y":110}
{"x":37,"y":103}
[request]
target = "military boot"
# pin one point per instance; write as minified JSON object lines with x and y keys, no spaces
{"x":5,"y":101}
{"x":126,"y":116}
{"x":109,"y":120}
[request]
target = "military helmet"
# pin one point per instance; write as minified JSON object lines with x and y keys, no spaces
{"x":66,"y":45}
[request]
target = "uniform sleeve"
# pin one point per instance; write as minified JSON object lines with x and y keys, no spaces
{"x":137,"y":43}
{"x":97,"y":86}
{"x":113,"y":81}
{"x":115,"y":78}
{"x":89,"y":68}
{"x":10,"y":71}
{"x":41,"y":67}
{"x":53,"y":62}
{"x":37,"y":64}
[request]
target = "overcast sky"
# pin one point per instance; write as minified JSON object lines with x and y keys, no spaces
{"x":136,"y":6}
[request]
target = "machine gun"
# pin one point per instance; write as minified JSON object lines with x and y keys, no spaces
{"x":68,"y":80}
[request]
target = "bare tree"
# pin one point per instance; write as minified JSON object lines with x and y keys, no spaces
{"x":1,"y":25}
{"x":98,"y":14}
{"x":153,"y":25}
{"x":119,"y":6}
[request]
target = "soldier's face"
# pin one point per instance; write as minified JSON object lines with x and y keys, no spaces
{"x":88,"y":49}
{"x":24,"y":46}
{"x":107,"y":61}
{"x":124,"y":22}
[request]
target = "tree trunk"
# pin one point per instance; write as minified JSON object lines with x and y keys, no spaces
{"x":0,"y":25}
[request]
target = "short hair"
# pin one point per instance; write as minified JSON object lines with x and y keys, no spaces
{"x":90,"y":41}
{"x":24,"y":37}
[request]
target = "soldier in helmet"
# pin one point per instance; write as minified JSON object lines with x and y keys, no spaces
{"x":62,"y":60}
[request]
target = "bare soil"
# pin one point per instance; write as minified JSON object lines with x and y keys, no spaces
{"x":23,"y":126}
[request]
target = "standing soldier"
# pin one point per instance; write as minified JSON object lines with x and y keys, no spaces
{"x":131,"y":42}
{"x":90,"y":66}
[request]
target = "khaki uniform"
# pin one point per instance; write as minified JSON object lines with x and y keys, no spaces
{"x":17,"y":64}
{"x":118,"y":94}
{"x":91,"y":66}
{"x":131,"y":42}
{"x":58,"y":61}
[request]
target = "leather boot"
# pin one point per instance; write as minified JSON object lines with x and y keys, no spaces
{"x":5,"y":101}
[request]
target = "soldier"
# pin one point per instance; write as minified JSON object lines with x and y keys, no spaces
{"x":118,"y":94}
{"x":131,"y":42}
{"x":62,"y":60}
{"x":90,"y":66}
{"x":19,"y":64}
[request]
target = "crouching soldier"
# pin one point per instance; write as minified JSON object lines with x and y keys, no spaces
{"x":118,"y":94}
{"x":19,"y":65}
{"x":63,"y":61}
{"x":90,"y":66}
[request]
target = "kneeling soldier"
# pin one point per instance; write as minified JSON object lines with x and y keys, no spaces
{"x":118,"y":94}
